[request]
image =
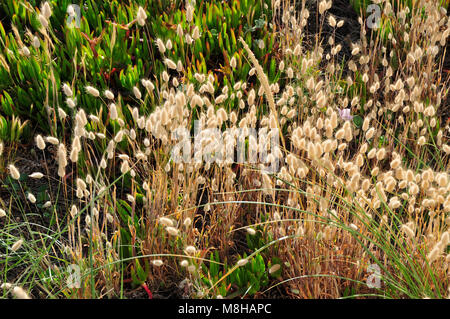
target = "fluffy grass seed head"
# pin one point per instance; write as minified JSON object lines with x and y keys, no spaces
{"x":36,"y":42}
{"x":108,"y":94}
{"x":16,"y":246}
{"x":92,"y":91}
{"x":73,"y":211}
{"x":274,"y":268}
{"x":160,"y":45}
{"x":172,"y":231}
{"x":43,"y":20}
{"x":67,"y":90}
{"x":170,"y":64}
{"x":36,"y":175}
{"x":40,"y":142}
{"x":157,"y":262}
{"x":20,"y":293}
{"x":166,"y":221}
{"x":137,"y":93}
{"x":242,"y":262}
{"x":14,"y":172}
{"x":141,"y":16}
{"x":190,"y":250}
{"x":187,"y":222}
{"x":46,"y":10}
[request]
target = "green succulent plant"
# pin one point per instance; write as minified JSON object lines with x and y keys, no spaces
{"x":110,"y":50}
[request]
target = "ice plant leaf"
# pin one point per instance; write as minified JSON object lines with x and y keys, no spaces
{"x":358,"y":121}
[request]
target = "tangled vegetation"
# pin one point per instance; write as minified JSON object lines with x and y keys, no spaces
{"x":222,"y":149}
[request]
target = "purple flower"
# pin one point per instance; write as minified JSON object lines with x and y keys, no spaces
{"x":345,"y":114}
